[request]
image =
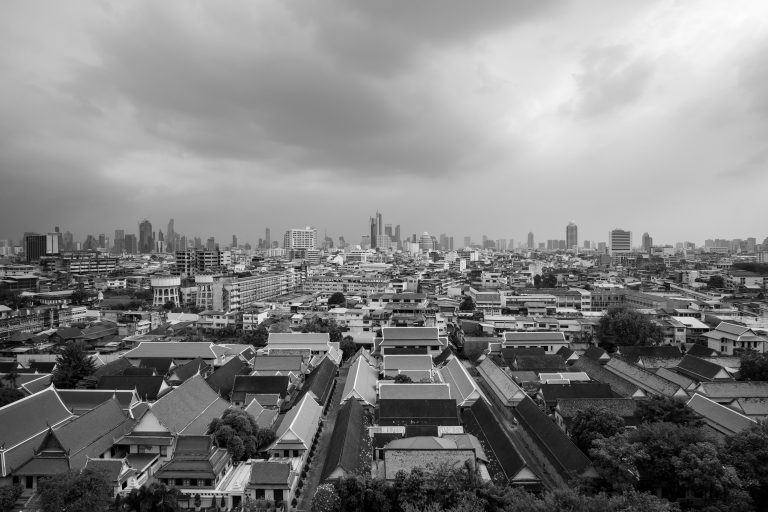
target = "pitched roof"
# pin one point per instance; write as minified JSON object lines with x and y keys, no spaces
{"x":300,"y":424}
{"x":624,"y":407}
{"x":554,"y":392}
{"x":500,"y":382}
{"x":298,"y":338}
{"x":187,"y":370}
{"x":277,"y":363}
{"x":502,"y":454}
{"x":699,"y":350}
{"x":732,"y":390}
{"x":189,"y":408}
{"x":223,"y":379}
{"x":259,"y":385}
{"x":320,"y":381}
{"x":195,"y":457}
{"x":721,"y":418}
{"x":463,"y":387}
{"x":414,"y":391}
{"x":171,"y":349}
{"x":556,"y":446}
{"x":116,"y":367}
{"x":700,"y":369}
{"x":649,"y":382}
{"x":596,"y":353}
{"x":263,"y":417}
{"x":534,"y":337}
{"x":409,"y":333}
{"x":148,"y":387}
{"x":676,"y":378}
{"x":80,"y":401}
{"x":361,"y":382}
{"x":23,"y":421}
{"x":634,"y":352}
{"x":160,"y":364}
{"x":409,"y":362}
{"x":268,"y":472}
{"x":418,"y":412}
{"x":345,"y":447}
{"x":547,"y":362}
{"x":599,"y":373}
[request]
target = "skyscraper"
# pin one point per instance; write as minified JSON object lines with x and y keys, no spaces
{"x":379,"y":224}
{"x":530,"y":239}
{"x":467,"y":241}
{"x":647,"y":242}
{"x":267,"y":238}
{"x":619,"y":241}
{"x":146,"y":240}
{"x":119,"y":245}
{"x":397,"y":233}
{"x":234,"y":241}
{"x":170,"y":237}
{"x":373,"y":232}
{"x":571,"y":236}
{"x":211,"y":244}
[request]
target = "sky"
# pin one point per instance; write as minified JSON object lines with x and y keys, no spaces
{"x":467,"y":118}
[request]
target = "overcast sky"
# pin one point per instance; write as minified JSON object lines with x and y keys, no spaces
{"x":493,"y":117}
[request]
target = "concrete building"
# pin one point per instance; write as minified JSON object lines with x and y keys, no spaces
{"x":619,"y":241}
{"x":571,"y":236}
{"x":165,"y":289}
{"x":305,"y":238}
{"x":146,"y":239}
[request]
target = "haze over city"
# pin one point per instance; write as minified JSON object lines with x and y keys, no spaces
{"x":449,"y":117}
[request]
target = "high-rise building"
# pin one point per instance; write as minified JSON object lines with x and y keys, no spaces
{"x":571,"y":236}
{"x":467,"y":241}
{"x":211,"y":244}
{"x":501,"y":244}
{"x":34,"y":246}
{"x":170,"y":237}
{"x":379,"y":224}
{"x":234,"y":241}
{"x":619,"y":241}
{"x":267,"y":238}
{"x":530,"y":240}
{"x":450,"y":243}
{"x":299,"y":238}
{"x":373,"y":232}
{"x":388,"y":230}
{"x":426,"y":242}
{"x":131,"y":244}
{"x":397,"y":233}
{"x":647,"y":242}
{"x":119,"y":245}
{"x":146,"y":240}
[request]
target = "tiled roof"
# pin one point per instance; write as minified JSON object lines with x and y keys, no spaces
{"x":623,"y":407}
{"x":595,"y":353}
{"x":82,"y":400}
{"x":320,"y":381}
{"x":299,"y":424}
{"x":259,"y":385}
{"x":699,"y":369}
{"x":415,"y":391}
{"x":649,"y":382}
{"x":676,"y":378}
{"x":148,"y":387}
{"x":344,"y":450}
{"x":547,"y":362}
{"x":187,"y":408}
{"x":463,"y":387}
{"x":409,"y":333}
{"x":597,"y":371}
{"x":733,"y":389}
{"x":721,"y":418}
{"x":554,"y":392}
{"x":411,"y":362}
{"x":277,"y":363}
{"x":418,"y":412}
{"x":500,"y":382}
{"x":171,"y":349}
{"x":534,"y":337}
{"x":271,"y":473}
{"x":223,"y":379}
{"x":361,"y":382}
{"x":298,"y":338}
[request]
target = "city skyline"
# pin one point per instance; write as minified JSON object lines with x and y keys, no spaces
{"x":620,"y":114}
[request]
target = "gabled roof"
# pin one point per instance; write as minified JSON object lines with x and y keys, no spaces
{"x":161,"y":365}
{"x":556,"y":446}
{"x":263,"y":417}
{"x":721,"y":418}
{"x":625,"y":408}
{"x":676,"y":378}
{"x":463,"y":387}
{"x":418,"y":412}
{"x":699,"y":350}
{"x":189,"y":408}
{"x":647,"y":381}
{"x":195,"y":457}
{"x":80,"y":401}
{"x":116,"y":367}
{"x":345,"y":448}
{"x":409,"y":362}
{"x":22,"y":423}
{"x":277,"y":363}
{"x":414,"y":391}
{"x":361,"y":382}
{"x":269,"y":472}
{"x":69,"y":333}
{"x":320,"y":381}
{"x":409,"y":336}
{"x":599,"y":373}
{"x":442,"y":356}
{"x":500,"y":382}
{"x":546,"y":363}
{"x":112,"y":469}
{"x":299,"y":425}
{"x":534,"y":337}
{"x":171,"y":349}
{"x":732,"y":390}
{"x":502,"y":454}
{"x":223,"y":379}
{"x":289,"y":339}
{"x":187,"y":370}
{"x":554,"y":392}
{"x":701,"y":370}
{"x":596,"y":353}
{"x":259,"y":385}
{"x":148,"y":387}
{"x":632,"y":353}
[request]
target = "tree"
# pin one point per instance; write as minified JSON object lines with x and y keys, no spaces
{"x":168,"y":306}
{"x":79,"y":297}
{"x":537,"y":281}
{"x":86,"y":492}
{"x":348,"y":347}
{"x":467,"y":304}
{"x":592,"y":423}
{"x":322,"y":325}
{"x":11,"y":377}
{"x":622,"y":326}
{"x":8,"y":396}
{"x":667,"y":410}
{"x":754,"y":366}
{"x":8,"y":496}
{"x":337,"y":299}
{"x":238,"y":432}
{"x":155,"y":497}
{"x":747,"y":452}
{"x":549,"y":280}
{"x":715,"y":282}
{"x":402,"y":378}
{"x":699,"y":469}
{"x":72,"y":365}
{"x":326,"y":499}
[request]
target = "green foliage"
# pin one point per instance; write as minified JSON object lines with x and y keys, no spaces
{"x":401,"y":378}
{"x":348,"y":347}
{"x":326,"y":499}
{"x":79,"y":297}
{"x":549,"y":280}
{"x":8,"y":496}
{"x":72,"y":365}
{"x":667,"y":410}
{"x":155,"y":497}
{"x":754,"y":366}
{"x":591,"y":423}
{"x":238,"y":432}
{"x":168,"y":306}
{"x":322,"y":325}
{"x":537,"y":281}
{"x":622,"y":326}
{"x":716,"y":282}
{"x":467,"y":304}
{"x":337,"y":299}
{"x":11,"y":377}
{"x":86,"y":492}
{"x":759,"y":268}
{"x":8,"y":396}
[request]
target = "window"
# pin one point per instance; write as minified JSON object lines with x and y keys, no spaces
{"x":179,"y":482}
{"x":125,"y":484}
{"x":286,"y":453}
{"x":296,"y":453}
{"x":259,"y":494}
{"x":193,"y":482}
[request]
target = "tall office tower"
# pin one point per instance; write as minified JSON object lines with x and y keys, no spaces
{"x":267,"y":238}
{"x":102,"y":241}
{"x":388,"y":230}
{"x":530,"y":240}
{"x":619,"y":241}
{"x":571,"y":236}
{"x":198,"y":242}
{"x":426,"y":242}
{"x":413,"y":238}
{"x":501,"y":244}
{"x":373,"y":233}
{"x":751,"y":245}
{"x":131,"y":245}
{"x":234,"y":241}
{"x":511,"y":244}
{"x":342,"y":242}
{"x":467,"y":241}
{"x":68,"y":240}
{"x":443,"y":245}
{"x":379,"y":224}
{"x":397,"y":233}
{"x":299,"y":238}
{"x":182,"y":244}
{"x":34,"y":246}
{"x":647,"y":242}
{"x":119,"y":245}
{"x":52,"y":243}
{"x":146,"y":241}
{"x":211,"y":244}
{"x":170,"y":237}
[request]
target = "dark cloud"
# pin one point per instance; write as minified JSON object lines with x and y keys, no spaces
{"x":611,"y":78}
